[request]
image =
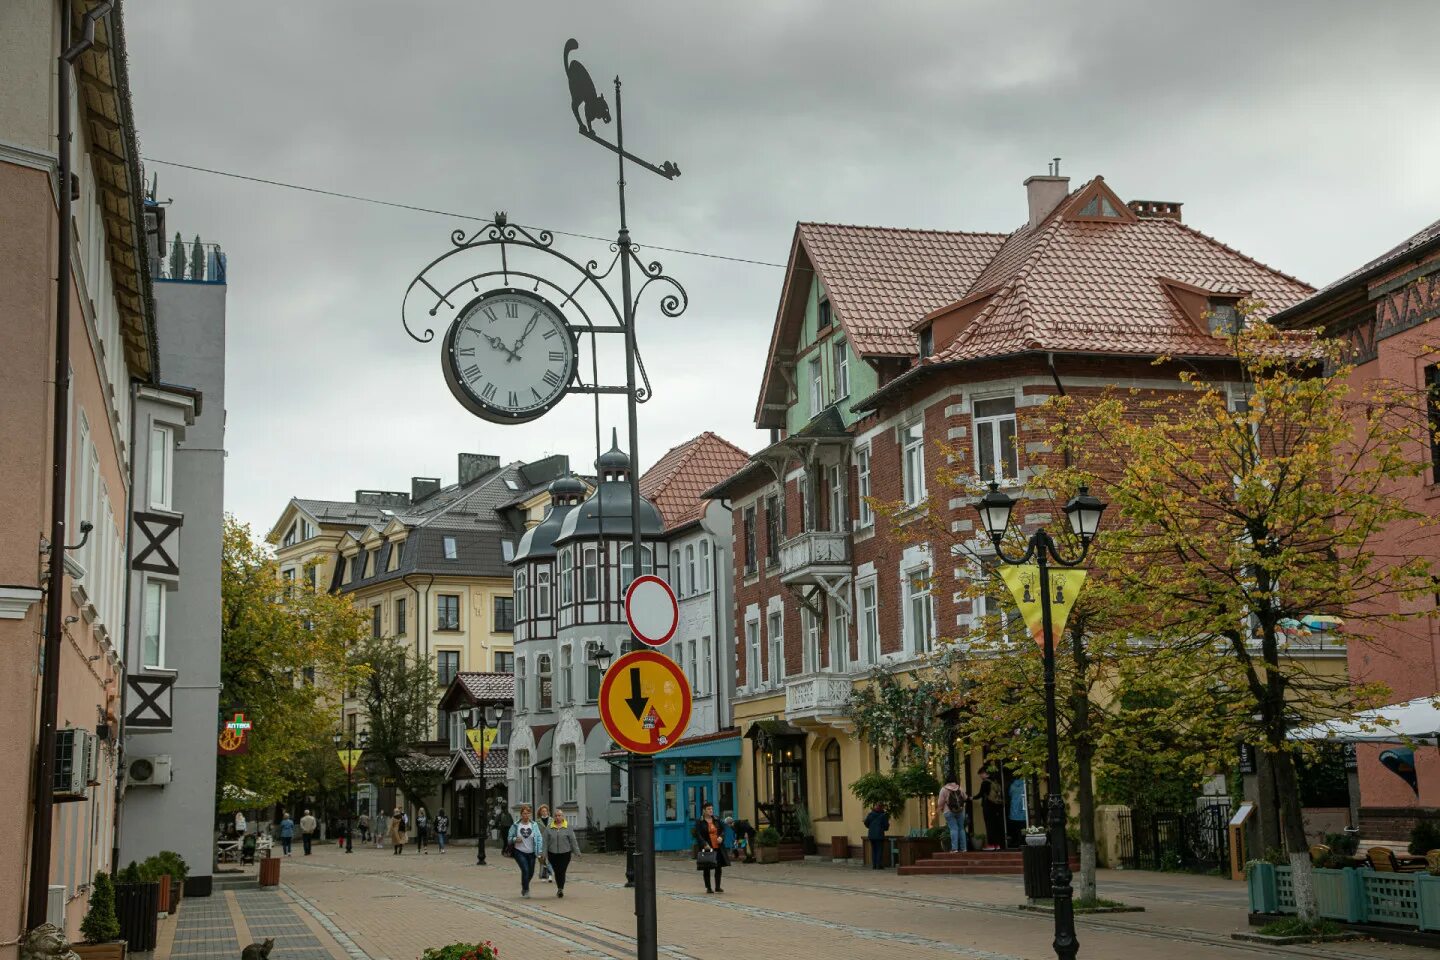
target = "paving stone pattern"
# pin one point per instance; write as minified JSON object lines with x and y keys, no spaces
{"x":205,"y":931}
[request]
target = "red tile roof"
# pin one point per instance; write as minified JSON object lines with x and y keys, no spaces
{"x":677,"y":482}
{"x":1099,"y":287}
{"x":880,"y":279}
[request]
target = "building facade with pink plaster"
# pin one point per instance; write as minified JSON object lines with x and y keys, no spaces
{"x":112,"y":345}
{"x":1387,"y":315}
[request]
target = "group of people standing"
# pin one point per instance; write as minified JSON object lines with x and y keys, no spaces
{"x":307,"y":827}
{"x":547,"y":840}
{"x":997,"y":805}
{"x":399,"y":830}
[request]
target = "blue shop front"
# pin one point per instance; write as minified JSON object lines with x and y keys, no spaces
{"x":695,"y":771}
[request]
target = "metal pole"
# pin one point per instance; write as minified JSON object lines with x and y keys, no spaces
{"x":1066,"y":946}
{"x":350,"y":809}
{"x":642,"y":775}
{"x":484,"y":798}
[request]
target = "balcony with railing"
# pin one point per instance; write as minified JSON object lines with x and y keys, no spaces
{"x":817,"y":696}
{"x":189,"y":262}
{"x":812,"y":554}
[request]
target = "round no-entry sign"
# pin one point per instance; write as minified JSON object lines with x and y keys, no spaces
{"x":651,"y":610}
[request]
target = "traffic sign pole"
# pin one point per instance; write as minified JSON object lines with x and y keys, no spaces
{"x":642,"y":782}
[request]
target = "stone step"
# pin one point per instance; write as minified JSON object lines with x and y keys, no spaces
{"x":931,"y":868}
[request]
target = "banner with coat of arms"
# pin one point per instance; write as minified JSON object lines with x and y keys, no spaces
{"x":1024,"y":583}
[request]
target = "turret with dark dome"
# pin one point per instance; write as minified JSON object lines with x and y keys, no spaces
{"x":539,"y":541}
{"x":607,"y":511}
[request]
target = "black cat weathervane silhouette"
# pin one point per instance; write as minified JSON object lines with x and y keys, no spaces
{"x":584,"y":95}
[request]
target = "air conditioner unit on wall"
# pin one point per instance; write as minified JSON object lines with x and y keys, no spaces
{"x":68,"y":780}
{"x":91,"y":757}
{"x":148,"y":772}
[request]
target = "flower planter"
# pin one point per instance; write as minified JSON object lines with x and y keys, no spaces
{"x":137,"y":905}
{"x":1035,"y":862}
{"x":840,"y":848}
{"x":767,"y":854}
{"x":1036,"y":839}
{"x":162,"y":899}
{"x":914,"y":849}
{"x":177,"y":893}
{"x":110,"y":950}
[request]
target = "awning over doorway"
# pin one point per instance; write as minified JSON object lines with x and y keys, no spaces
{"x":1415,"y":721}
{"x":773,"y":729}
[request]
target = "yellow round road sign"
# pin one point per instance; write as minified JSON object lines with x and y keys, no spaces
{"x":645,"y":702}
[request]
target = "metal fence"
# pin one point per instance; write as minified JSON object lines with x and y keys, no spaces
{"x":1176,"y":839}
{"x":193,"y":261}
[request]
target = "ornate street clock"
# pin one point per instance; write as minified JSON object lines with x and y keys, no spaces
{"x":509,"y":356}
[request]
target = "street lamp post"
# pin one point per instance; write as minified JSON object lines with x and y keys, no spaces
{"x":490,"y":720}
{"x":601,"y":657}
{"x":1083,"y":511}
{"x":348,"y":745}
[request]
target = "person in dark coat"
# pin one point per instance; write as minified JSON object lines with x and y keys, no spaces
{"x":877,"y":822}
{"x":710,"y":835}
{"x":992,"y":806}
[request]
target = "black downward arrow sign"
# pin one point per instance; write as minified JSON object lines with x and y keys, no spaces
{"x":636,"y":700}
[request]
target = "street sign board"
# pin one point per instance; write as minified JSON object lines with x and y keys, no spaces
{"x":645,"y":702}
{"x":350,"y":759}
{"x":651,"y":610}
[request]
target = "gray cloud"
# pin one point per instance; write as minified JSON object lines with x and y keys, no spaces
{"x":1290,"y":130}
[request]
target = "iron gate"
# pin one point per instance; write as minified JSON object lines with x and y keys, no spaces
{"x":1176,"y":839}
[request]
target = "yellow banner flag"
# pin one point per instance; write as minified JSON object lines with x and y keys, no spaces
{"x":350,"y":759}
{"x":1024,"y":582}
{"x":481,"y":738}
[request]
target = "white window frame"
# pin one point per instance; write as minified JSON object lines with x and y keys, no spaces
{"x":809,"y":642}
{"x":520,"y":605}
{"x":567,"y":577}
{"x":839,"y":637}
{"x":544,"y":669}
{"x":917,"y":643}
{"x":448,"y":546}
{"x":542,"y":592}
{"x":776,"y":640}
{"x":869,"y":639}
{"x":689,"y":586}
{"x":707,"y":663}
{"x":862,"y":487}
{"x":567,"y":666}
{"x":569,"y":786}
{"x":154,"y":588}
{"x":522,"y":773}
{"x":753,"y":679}
{"x":912,"y":462}
{"x":987,"y":430}
{"x":837,"y":480}
{"x":817,"y":384}
{"x":705,"y":565}
{"x":589,"y":573}
{"x":592,"y":671}
{"x":520,"y":680}
{"x":841,"y":358}
{"x":692,"y":667}
{"x":162,"y":441}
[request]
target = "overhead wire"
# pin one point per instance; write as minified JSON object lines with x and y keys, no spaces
{"x":441,"y":213}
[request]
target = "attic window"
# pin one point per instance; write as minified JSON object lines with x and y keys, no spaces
{"x":450,"y":551}
{"x":1223,"y":317}
{"x":1099,"y":206}
{"x":822,"y":316}
{"x":507,"y":550}
{"x":511,"y":484}
{"x":927,"y":342}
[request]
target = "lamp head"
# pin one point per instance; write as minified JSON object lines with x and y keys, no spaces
{"x":337,"y":738}
{"x":602,"y":657}
{"x":492,"y":716}
{"x":994,"y":509}
{"x":1084,"y":512}
{"x":364,"y":739}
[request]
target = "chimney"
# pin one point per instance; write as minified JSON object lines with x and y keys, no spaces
{"x":384,"y":499}
{"x":1155,"y":209}
{"x":473,"y":466}
{"x":1044,"y":194}
{"x":422,"y":487}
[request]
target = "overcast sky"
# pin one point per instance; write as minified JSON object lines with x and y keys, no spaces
{"x":1293,"y":131}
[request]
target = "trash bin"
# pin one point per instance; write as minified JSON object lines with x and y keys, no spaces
{"x":1036,"y":862}
{"x":270,"y":872}
{"x":137,"y":905}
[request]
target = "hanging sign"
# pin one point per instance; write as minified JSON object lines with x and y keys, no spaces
{"x":234,"y":733}
{"x":481,"y":739}
{"x":645,"y":702}
{"x":1024,"y":583}
{"x":350,"y":759}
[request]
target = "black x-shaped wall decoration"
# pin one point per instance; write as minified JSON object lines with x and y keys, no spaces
{"x":157,"y":554}
{"x":145,"y":690}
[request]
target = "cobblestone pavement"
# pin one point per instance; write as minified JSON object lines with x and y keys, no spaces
{"x":372,"y":905}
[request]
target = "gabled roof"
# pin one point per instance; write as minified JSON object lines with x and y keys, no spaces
{"x":676,"y":484}
{"x":1082,"y":285}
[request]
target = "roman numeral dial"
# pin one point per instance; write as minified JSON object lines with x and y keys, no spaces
{"x":509,"y":356}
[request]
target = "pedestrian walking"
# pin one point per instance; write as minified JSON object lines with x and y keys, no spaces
{"x":398,"y":831}
{"x":422,"y":830}
{"x":542,"y":817}
{"x":526,"y":842}
{"x":952,"y":802}
{"x":287,"y":833}
{"x":1019,"y":810}
{"x":877,"y":823}
{"x":307,"y":831}
{"x":442,"y":830}
{"x":364,"y":826}
{"x":992,"y":808}
{"x":710,"y":847}
{"x":560,"y":845}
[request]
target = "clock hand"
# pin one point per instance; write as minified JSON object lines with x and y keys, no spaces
{"x":499,"y":344}
{"x":528,"y":327}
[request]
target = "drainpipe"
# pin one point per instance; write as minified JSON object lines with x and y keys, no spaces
{"x":125,"y":619}
{"x":42,"y":829}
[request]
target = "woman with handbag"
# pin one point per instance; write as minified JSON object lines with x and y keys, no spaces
{"x":710,"y":847}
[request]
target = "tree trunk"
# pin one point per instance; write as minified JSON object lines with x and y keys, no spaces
{"x":1293,"y":825}
{"x":1268,"y":808}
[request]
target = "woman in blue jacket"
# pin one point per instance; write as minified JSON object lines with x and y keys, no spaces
{"x":877,"y":822}
{"x":526,"y":841}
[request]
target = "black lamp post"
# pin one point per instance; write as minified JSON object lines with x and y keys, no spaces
{"x":1083,"y":512}
{"x":348,"y":744}
{"x":489,"y":720}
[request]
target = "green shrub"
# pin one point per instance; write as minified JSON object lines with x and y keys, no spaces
{"x":1343,"y":843}
{"x":462,"y":951}
{"x":166,"y":863}
{"x":1425,"y":837}
{"x":100,"y":924}
{"x":916,"y":780}
{"x":130,"y":874}
{"x":767,"y":837}
{"x":876,"y":787}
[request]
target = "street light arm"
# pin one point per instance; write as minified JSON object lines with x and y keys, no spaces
{"x":1030,"y":550}
{"x":1053,"y":549}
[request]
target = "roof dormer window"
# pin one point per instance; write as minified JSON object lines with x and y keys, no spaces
{"x":822,"y":315}
{"x":1224,"y":317}
{"x":927,"y":342}
{"x":448,"y":544}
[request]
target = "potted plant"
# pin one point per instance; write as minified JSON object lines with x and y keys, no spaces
{"x":1036,"y":836}
{"x":151,"y":873}
{"x":767,"y":845}
{"x":137,"y":903}
{"x":806,"y":827}
{"x":171,"y":866}
{"x":876,"y":788}
{"x":462,"y":951}
{"x":101,"y":927}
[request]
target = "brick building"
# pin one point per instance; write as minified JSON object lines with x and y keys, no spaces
{"x":887,"y":344}
{"x":1385,"y":312}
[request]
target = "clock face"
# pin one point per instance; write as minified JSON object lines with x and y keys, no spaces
{"x":509,"y":356}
